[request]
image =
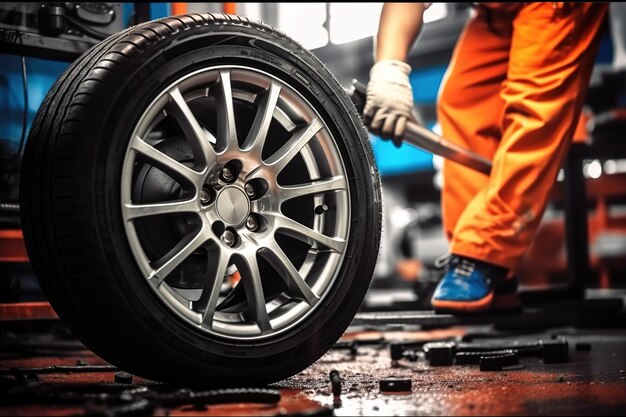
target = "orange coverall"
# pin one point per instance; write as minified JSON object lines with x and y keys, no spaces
{"x":513,"y":93}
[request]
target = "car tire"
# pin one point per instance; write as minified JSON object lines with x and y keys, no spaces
{"x":128,"y":273}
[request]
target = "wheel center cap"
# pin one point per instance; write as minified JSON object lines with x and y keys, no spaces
{"x":233,"y":205}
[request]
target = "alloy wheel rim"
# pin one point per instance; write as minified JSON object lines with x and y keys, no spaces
{"x":232,"y":196}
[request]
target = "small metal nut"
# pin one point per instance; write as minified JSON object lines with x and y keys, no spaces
{"x":205,"y":196}
{"x":252,"y":223}
{"x":395,"y":385}
{"x":335,"y":382}
{"x":122,"y":377}
{"x":227,"y":174}
{"x":250,"y":190}
{"x":228,"y":238}
{"x":555,"y":351}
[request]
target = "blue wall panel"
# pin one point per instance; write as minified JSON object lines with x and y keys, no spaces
{"x":159,"y":10}
{"x":41,"y":74}
{"x":391,"y":160}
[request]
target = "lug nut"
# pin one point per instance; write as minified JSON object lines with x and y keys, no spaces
{"x":250,"y":190}
{"x":252,"y":223}
{"x":228,"y":238}
{"x":227,"y":174}
{"x":205,"y":196}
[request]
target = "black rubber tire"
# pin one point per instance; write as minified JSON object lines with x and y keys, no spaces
{"x":73,"y":226}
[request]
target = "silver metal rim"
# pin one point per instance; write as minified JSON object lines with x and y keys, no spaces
{"x":232,"y":191}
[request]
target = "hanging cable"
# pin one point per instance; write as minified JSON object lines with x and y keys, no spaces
{"x":25,"y":113}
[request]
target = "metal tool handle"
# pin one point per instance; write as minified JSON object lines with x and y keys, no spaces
{"x":426,"y":139}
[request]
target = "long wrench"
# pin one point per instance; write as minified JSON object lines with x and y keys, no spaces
{"x":424,"y":138}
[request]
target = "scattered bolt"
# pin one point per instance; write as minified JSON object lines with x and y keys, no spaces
{"x":321,"y":209}
{"x":473,"y":358}
{"x":252,"y":223}
{"x":499,"y":362}
{"x":395,"y":384}
{"x":335,"y":382}
{"x":32,"y":378}
{"x":122,"y":377}
{"x":205,"y":196}
{"x":440,"y":353}
{"x":228,"y":238}
{"x":350,"y":346}
{"x":396,"y":351}
{"x":227,"y":174}
{"x":250,"y":190}
{"x":555,"y":351}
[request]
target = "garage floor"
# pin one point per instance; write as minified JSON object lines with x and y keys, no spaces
{"x":45,"y":372}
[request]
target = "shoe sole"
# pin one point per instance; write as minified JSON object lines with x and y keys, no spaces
{"x":479,"y":306}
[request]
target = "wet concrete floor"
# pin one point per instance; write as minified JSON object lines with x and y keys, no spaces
{"x":593,"y":382}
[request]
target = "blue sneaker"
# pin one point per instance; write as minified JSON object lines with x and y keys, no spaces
{"x":468,"y":285}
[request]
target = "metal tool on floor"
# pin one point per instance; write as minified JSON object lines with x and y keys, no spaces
{"x":491,"y":356}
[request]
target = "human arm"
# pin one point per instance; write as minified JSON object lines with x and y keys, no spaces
{"x":398,"y":28}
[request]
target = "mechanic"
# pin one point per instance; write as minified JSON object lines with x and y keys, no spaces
{"x":513,"y":93}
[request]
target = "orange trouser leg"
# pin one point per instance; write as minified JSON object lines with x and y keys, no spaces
{"x":470,"y":108}
{"x":551,"y":57}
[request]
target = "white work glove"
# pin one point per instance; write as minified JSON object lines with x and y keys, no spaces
{"x":389,"y":100}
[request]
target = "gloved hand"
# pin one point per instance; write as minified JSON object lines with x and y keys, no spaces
{"x":389,"y":100}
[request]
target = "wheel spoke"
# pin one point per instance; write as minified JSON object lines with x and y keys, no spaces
{"x":277,"y":117}
{"x":301,"y":232}
{"x":180,"y":252}
{"x":226,"y":127}
{"x":216,"y":272}
{"x":171,"y":166}
{"x":251,"y":280}
{"x":279,"y":160}
{"x":265,"y":112}
{"x":316,"y":187}
{"x":295,"y":283}
{"x":133,"y":211}
{"x":200,"y":143}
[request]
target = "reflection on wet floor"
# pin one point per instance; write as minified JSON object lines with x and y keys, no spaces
{"x":592,"y":381}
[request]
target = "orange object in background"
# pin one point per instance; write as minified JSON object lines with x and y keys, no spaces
{"x":12,"y":247}
{"x":409,"y":269}
{"x":40,"y":310}
{"x":545,"y":263}
{"x":230,"y":8}
{"x":513,"y":93}
{"x":179,"y":8}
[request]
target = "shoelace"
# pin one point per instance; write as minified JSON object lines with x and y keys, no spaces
{"x":443,"y":260}
{"x":465,"y":268}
